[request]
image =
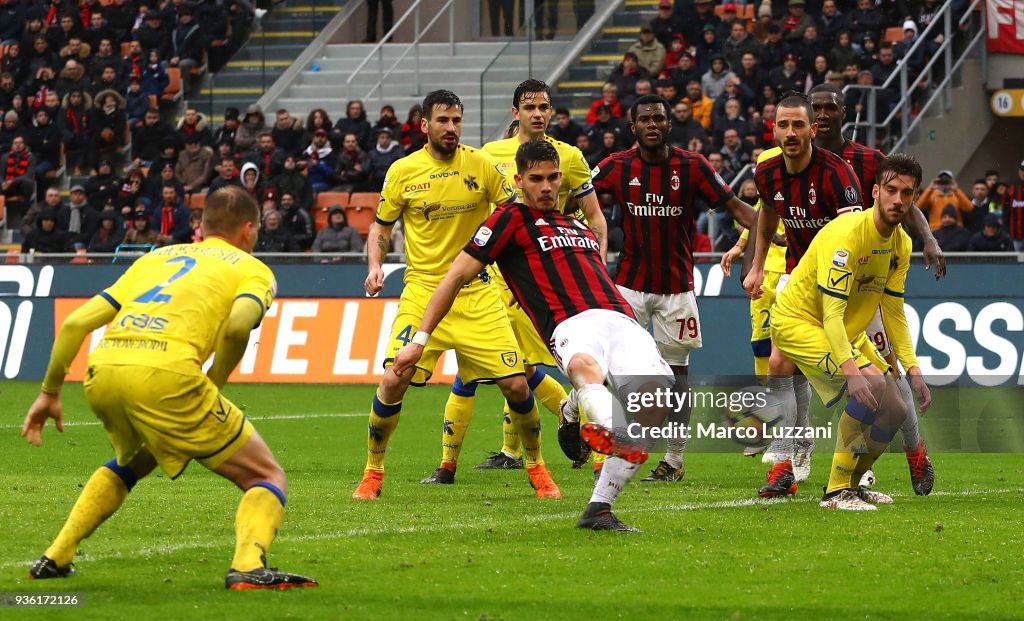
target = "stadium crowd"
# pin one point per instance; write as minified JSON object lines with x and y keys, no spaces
{"x":66,"y":92}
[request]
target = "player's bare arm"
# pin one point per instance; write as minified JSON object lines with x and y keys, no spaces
{"x":596,"y":221}
{"x":94,"y":314}
{"x":246,"y":314}
{"x":767,"y":224}
{"x":463,"y":270}
{"x":917,"y":225}
{"x":742,"y":212}
{"x":378,"y":243}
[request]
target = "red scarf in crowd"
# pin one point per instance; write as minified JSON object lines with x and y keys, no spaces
{"x":167,"y":219}
{"x":16,"y":165}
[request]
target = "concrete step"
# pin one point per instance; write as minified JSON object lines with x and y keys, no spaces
{"x":473,"y":49}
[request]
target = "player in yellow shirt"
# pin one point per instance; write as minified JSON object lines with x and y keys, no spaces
{"x":532,"y":111}
{"x":854,"y":265}
{"x":443,"y":192}
{"x":167,"y":314}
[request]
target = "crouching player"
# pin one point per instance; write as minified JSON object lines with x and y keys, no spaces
{"x":167,"y":314}
{"x":854,"y":265}
{"x":552,"y":263}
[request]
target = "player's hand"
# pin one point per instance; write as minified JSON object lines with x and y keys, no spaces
{"x":374,"y":281}
{"x":921,"y":391}
{"x":406,"y":358}
{"x":860,"y":389}
{"x":780,"y":240}
{"x":45,"y":406}
{"x":933,"y":255}
{"x":731,"y":255}
{"x":752,"y":283}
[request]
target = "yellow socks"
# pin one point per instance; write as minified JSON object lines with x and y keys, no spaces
{"x":100,"y":498}
{"x":526,"y":420}
{"x":548,"y":391}
{"x":510,"y":444}
{"x":761,"y":369}
{"x":259,"y":516}
{"x":458,"y":411}
{"x":850,"y":445}
{"x":383,"y":420}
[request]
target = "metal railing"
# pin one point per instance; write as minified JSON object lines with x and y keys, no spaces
{"x":908,"y":85}
{"x":523,"y":35}
{"x":414,"y":46}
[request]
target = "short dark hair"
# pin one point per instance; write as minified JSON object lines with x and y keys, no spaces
{"x":898,"y":164}
{"x":825,"y":87}
{"x":443,"y":98}
{"x":564,"y":111}
{"x":647,"y":100}
{"x":797,"y":100}
{"x":529,"y":86}
{"x":533,"y":151}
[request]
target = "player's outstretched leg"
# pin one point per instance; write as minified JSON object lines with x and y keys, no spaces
{"x":526,"y":418}
{"x":458,"y":412}
{"x":615,"y":475}
{"x":922,"y":473}
{"x":780,"y":480}
{"x":102,"y":495}
{"x":260,"y":513}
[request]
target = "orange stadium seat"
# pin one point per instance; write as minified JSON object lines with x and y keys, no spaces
{"x":893,"y":35}
{"x":196,"y":200}
{"x":173,"y":90}
{"x":324,"y":202}
{"x":364,"y":199}
{"x":360,"y":218}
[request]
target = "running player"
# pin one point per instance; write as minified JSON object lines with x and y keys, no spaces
{"x":657,"y":186}
{"x":443,"y":192}
{"x":553,"y":264}
{"x":531,"y":107}
{"x":806,"y":187}
{"x":852,"y":266}
{"x":167,"y":314}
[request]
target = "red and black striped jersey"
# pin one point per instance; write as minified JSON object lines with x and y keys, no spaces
{"x":550,"y":261}
{"x":864,"y":161}
{"x":808,"y":200}
{"x":1013,"y":211}
{"x":658,"y":215}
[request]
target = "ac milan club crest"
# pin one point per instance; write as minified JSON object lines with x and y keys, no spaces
{"x":812,"y":196}
{"x":674,"y":181}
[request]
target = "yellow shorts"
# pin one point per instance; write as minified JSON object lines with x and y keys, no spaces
{"x":476,"y":327}
{"x":176,"y":417}
{"x":531,"y":345}
{"x":761,"y":309}
{"x":808,"y":348}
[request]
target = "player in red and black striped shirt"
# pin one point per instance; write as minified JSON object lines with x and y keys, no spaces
{"x":552,"y":263}
{"x":657,"y":186}
{"x":1013,"y":211}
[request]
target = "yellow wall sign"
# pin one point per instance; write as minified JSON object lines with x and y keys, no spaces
{"x":1008,"y":102}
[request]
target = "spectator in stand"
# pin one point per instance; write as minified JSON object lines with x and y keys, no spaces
{"x":604,"y":124}
{"x":666,"y":89}
{"x":944,"y":192}
{"x":643,"y":87}
{"x":700,"y":106}
{"x":78,"y":218}
{"x":808,"y":48}
{"x":991,"y":238}
{"x":974,"y":221}
{"x":132,"y":190}
{"x":68,"y":27}
{"x":160,"y":176}
{"x":916,"y":61}
{"x":187,"y":43}
{"x":797,"y":20}
{"x":135,"y":102}
{"x":387,"y":119}
{"x":155,"y":33}
{"x":14,"y":64}
{"x":1013,"y":209}
{"x":764,"y":21}
{"x":713,"y":81}
{"x":102,"y":187}
{"x":684,"y":127}
{"x":950,"y":236}
{"x":734,"y":89}
{"x":666,"y":25}
{"x":338,"y":236}
{"x":195,"y":224}
{"x":170,"y":219}
{"x":269,"y":160}
{"x":72,"y":77}
{"x":354,"y":122}
{"x":194,"y":122}
{"x":733,"y":120}
{"x":44,"y":140}
{"x":729,"y":17}
{"x":51,"y":200}
{"x":717,"y":162}
{"x":865,"y":20}
{"x":387,"y":19}
{"x":613,"y":217}
{"x":788,"y":77}
{"x":590,"y":152}
{"x":650,"y":53}
{"x":154,"y":77}
{"x":227,"y":175}
{"x":141,"y":233}
{"x":252,"y":181}
{"x":625,"y":76}
{"x":12,"y":16}
{"x":764,"y":128}
{"x":773,"y":50}
{"x":272,"y":237}
{"x":564,"y":127}
{"x":10,"y":128}
{"x":108,"y":124}
{"x":229,"y":129}
{"x":108,"y":81}
{"x":108,"y":235}
{"x":321,"y":162}
{"x":292,"y":181}
{"x":829,"y":22}
{"x":696,"y":17}
{"x":296,"y":221}
{"x":46,"y":238}
{"x":708,"y":46}
{"x":737,"y":44}
{"x":195,"y":164}
{"x":77,"y":104}
{"x":413,"y":135}
{"x":379,"y":159}
{"x":287,"y":133}
{"x":735,"y":152}
{"x":316,"y":119}
{"x":819,"y":74}
{"x":97,"y":31}
{"x":843,"y":53}
{"x":684,"y":72}
{"x":148,"y":138}
{"x":252,"y":125}
{"x":609,"y":99}
{"x":349,"y":173}
{"x":104,"y":57}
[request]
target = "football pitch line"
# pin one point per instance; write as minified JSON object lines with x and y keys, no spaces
{"x":225,"y":541}
{"x":96,"y":423}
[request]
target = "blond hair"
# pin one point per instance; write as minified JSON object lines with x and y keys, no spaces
{"x":228,"y":209}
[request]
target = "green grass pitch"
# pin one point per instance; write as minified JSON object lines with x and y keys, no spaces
{"x":487,"y":549}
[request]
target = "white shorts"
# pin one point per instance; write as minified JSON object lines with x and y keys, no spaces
{"x":675,"y":320}
{"x":876,"y":334}
{"x":619,"y":345}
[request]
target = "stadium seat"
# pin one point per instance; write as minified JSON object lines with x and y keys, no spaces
{"x":59,"y":170}
{"x":125,"y":48}
{"x":365,"y":199}
{"x":324,"y":202}
{"x":80,"y":256}
{"x":361,"y":217}
{"x":893,"y":35}
{"x":747,"y":12}
{"x":196,"y":200}
{"x":173,"y":90}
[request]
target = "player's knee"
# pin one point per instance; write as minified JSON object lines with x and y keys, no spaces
{"x":583,"y":369}
{"x":779,"y":364}
{"x":393,"y":386}
{"x":515,"y":389}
